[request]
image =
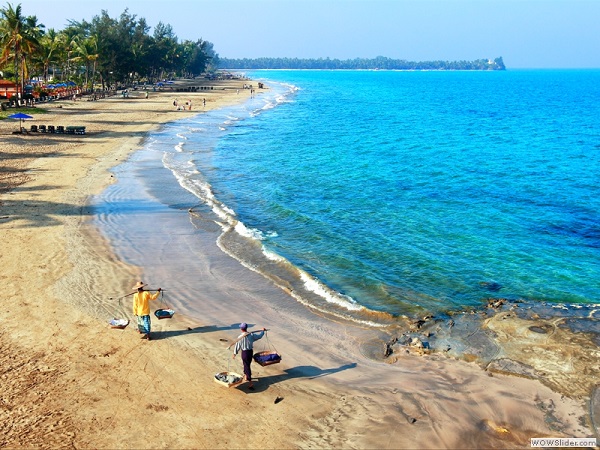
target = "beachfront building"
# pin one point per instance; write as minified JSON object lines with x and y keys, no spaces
{"x":7,"y":89}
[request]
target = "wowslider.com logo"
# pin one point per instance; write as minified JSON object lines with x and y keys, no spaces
{"x":564,"y":442}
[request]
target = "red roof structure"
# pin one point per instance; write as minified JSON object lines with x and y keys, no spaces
{"x":7,"y":88}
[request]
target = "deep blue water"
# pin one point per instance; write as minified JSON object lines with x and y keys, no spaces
{"x":404,"y":189}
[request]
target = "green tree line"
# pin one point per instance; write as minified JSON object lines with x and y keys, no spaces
{"x":103,"y":51}
{"x":379,"y":62}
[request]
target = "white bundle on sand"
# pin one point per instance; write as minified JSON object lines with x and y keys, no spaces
{"x":119,"y":323}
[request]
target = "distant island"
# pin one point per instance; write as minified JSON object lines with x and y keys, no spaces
{"x":379,"y":63}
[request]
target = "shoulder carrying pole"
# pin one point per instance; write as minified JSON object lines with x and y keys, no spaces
{"x":243,"y":336}
{"x":135,"y":292}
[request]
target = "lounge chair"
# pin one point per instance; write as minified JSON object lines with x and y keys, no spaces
{"x":75,"y":130}
{"x":42,"y":128}
{"x":34,"y":128}
{"x":60,"y":129}
{"x":51,"y":129}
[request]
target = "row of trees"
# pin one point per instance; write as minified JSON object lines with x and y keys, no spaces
{"x":104,"y":51}
{"x":380,"y":62}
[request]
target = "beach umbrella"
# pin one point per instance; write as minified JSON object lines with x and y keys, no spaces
{"x":20,"y":116}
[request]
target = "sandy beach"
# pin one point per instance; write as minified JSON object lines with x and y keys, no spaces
{"x":69,"y":380}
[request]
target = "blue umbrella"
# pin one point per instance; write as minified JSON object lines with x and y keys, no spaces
{"x":20,"y":116}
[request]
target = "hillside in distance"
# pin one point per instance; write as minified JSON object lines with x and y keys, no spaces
{"x":378,"y":63}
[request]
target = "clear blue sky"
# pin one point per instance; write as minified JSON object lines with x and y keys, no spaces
{"x":526,"y":33}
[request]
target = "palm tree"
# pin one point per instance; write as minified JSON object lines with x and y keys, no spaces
{"x":19,"y":38}
{"x":86,"y":51}
{"x":49,"y":52}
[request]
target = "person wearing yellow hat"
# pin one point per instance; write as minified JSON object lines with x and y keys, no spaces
{"x":141,"y":308}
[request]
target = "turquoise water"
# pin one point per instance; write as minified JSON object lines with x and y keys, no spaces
{"x":397,"y":191}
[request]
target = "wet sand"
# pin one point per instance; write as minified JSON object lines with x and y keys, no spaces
{"x":70,"y":380}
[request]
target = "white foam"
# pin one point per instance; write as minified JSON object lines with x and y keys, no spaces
{"x":368,"y":323}
{"x":315,"y":286}
{"x":301,"y":300}
{"x":251,"y":233}
{"x":272,"y":256}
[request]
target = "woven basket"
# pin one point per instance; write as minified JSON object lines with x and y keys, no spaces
{"x":257,"y":358}
{"x":227,"y":384}
{"x":164,"y":313}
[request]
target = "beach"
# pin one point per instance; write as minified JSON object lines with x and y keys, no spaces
{"x":70,"y":380}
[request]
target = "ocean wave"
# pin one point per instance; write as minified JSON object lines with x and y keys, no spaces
{"x":245,"y":243}
{"x":299,"y":285}
{"x":314,"y":285}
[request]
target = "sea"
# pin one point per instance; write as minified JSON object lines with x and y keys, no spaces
{"x":378,"y":194}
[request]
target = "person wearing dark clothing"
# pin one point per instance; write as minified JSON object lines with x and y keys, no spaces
{"x":245,"y":345}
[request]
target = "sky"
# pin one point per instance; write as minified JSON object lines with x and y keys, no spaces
{"x":525,"y":33}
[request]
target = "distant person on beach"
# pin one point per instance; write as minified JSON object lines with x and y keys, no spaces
{"x":245,"y":344}
{"x":141,"y":308}
{"x":203,"y":102}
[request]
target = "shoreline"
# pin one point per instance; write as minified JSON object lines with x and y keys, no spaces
{"x":73,"y":376}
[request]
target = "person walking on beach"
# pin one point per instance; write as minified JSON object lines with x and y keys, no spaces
{"x":141,"y":308}
{"x":245,"y":344}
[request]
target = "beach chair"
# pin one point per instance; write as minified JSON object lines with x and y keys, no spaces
{"x":75,"y":130}
{"x":42,"y":128}
{"x":51,"y":129}
{"x":60,"y":129}
{"x":34,"y":128}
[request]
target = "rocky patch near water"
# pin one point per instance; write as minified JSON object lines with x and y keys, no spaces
{"x":558,"y":345}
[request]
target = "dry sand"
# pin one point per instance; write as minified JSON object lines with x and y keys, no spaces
{"x":68,"y":380}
